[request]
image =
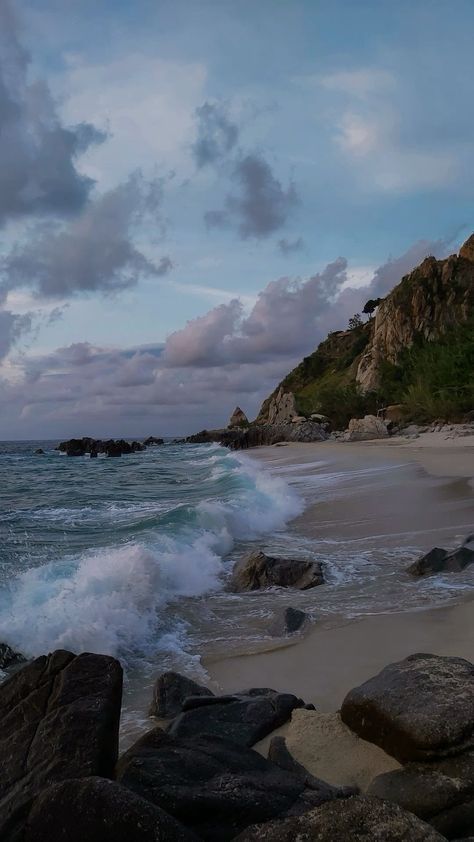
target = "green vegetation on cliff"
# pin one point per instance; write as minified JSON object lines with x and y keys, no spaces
{"x":418,"y":351}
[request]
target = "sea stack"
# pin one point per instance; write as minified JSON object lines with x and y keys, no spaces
{"x":238,"y":418}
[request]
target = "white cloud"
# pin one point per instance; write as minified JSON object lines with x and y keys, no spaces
{"x":146,"y":104}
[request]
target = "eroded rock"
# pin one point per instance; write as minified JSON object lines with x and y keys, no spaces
{"x":365,"y":429}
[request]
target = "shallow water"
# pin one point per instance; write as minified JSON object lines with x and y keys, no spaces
{"x":130,"y":556}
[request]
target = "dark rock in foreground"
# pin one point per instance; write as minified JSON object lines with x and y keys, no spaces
{"x":212,"y":785}
{"x":357,"y":819}
{"x":170,"y":691}
{"x":440,"y":792}
{"x":97,"y":810}
{"x":60,"y":719}
{"x":258,"y":435}
{"x":9,"y":658}
{"x":289,"y":621}
{"x":421,"y":708}
{"x":259,"y":570}
{"x":243,"y":718}
{"x":442,"y":561}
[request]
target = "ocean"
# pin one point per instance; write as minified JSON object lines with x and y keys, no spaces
{"x":130,"y":556}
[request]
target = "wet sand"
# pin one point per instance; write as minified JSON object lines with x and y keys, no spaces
{"x":437,"y":501}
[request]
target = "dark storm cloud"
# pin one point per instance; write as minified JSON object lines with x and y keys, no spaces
{"x":262,"y":204}
{"x":94,"y":252}
{"x":288,"y":247}
{"x":37,"y":154}
{"x":216,"y":134}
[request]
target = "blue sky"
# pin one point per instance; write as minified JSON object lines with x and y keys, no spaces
{"x":177,"y":176}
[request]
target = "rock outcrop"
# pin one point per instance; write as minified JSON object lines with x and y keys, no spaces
{"x":282,"y":408}
{"x":97,"y":810}
{"x":60,"y":719}
{"x":435,"y":296}
{"x":258,"y":570}
{"x":213,"y":785}
{"x":259,"y":435}
{"x":111,"y":447}
{"x":238,"y":418}
{"x":244,"y":718}
{"x":421,"y":708}
{"x":365,"y":429}
{"x":170,"y":692}
{"x":356,"y":819}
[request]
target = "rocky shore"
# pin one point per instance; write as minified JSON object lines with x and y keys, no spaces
{"x":110,"y":447}
{"x":402,"y":752}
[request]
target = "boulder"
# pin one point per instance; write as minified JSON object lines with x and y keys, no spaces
{"x":442,"y":561}
{"x":98,"y":810}
{"x":421,"y":708}
{"x":39,"y":451}
{"x":440,"y":792}
{"x":60,"y":719}
{"x":288,"y":621}
{"x":9,"y":658}
{"x":238,"y":418}
{"x":356,"y":819}
{"x":212,"y":785}
{"x":364,"y":429}
{"x":170,"y":691}
{"x":243,"y":718}
{"x":259,"y":570}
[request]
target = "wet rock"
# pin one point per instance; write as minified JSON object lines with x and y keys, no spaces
{"x":441,"y":793}
{"x":153,"y":441}
{"x":170,"y":691}
{"x":212,"y":785}
{"x":9,"y":658}
{"x":439,"y":560}
{"x":243,"y":718}
{"x":39,"y":451}
{"x":288,"y":621}
{"x":259,"y":570}
{"x":60,"y":718}
{"x":421,"y":708}
{"x":98,"y":810}
{"x":352,"y":820}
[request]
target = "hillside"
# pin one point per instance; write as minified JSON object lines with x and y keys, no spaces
{"x":418,"y":350}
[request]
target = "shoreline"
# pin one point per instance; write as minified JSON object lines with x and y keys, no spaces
{"x":325,"y":663}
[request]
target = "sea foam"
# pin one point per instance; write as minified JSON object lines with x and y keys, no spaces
{"x":113,"y":599}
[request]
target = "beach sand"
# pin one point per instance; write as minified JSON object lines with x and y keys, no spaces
{"x":327,"y":662}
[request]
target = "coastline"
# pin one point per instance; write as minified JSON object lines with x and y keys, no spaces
{"x":326,"y":662}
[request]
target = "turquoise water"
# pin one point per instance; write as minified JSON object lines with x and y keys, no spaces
{"x":95,"y":551}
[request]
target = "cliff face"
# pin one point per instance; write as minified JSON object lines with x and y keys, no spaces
{"x":436,"y":296}
{"x":433,"y":301}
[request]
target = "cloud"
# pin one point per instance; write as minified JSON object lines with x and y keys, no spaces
{"x":216,"y":134}
{"x":288,"y":247}
{"x":262,"y":205}
{"x":95,"y":251}
{"x":12,"y":326}
{"x":226,"y":357}
{"x":38,"y":154}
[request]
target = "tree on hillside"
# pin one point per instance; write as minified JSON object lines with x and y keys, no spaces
{"x":371,"y":305}
{"x":355,"y":321}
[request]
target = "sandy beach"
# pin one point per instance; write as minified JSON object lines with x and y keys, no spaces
{"x":431,"y":495}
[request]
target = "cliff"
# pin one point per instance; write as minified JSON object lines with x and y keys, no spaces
{"x":418,"y":350}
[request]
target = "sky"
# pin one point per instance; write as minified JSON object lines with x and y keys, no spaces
{"x":192,"y":194}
